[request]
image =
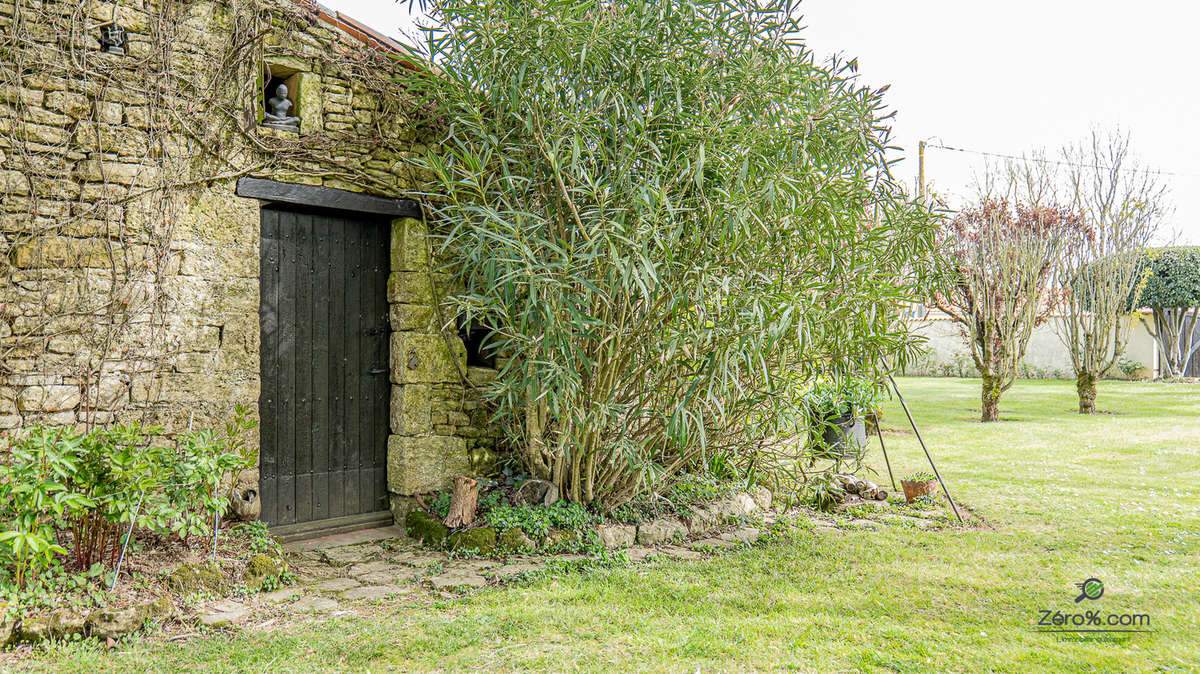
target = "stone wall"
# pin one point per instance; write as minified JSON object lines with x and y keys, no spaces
{"x":130,"y":266}
{"x":440,"y":427}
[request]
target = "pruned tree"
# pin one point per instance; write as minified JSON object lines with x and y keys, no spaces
{"x":1122,"y":206}
{"x":1172,"y":292}
{"x":670,"y":211}
{"x":997,"y":267}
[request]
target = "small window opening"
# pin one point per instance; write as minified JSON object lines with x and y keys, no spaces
{"x":475,"y":335}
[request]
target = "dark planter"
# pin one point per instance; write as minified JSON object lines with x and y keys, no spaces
{"x":837,"y":432}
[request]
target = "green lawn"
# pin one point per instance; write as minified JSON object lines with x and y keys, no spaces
{"x":1114,"y":496}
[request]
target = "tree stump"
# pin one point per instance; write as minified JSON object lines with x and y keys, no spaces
{"x":464,"y":500}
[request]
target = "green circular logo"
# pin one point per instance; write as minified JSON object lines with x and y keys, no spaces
{"x":1091,"y":588}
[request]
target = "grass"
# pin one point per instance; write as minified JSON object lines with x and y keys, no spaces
{"x":1112,"y":496}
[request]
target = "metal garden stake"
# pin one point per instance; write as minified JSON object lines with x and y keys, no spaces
{"x":929,"y":456}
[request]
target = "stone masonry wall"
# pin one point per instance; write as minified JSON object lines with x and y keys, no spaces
{"x":440,"y":427}
{"x":128,"y":265}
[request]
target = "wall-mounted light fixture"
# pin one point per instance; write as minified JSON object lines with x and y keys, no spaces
{"x":112,"y":38}
{"x":112,"y":35}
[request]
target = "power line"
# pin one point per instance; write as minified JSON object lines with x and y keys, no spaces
{"x":1043,"y":160}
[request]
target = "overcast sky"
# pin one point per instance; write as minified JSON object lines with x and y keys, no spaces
{"x":1006,"y":78}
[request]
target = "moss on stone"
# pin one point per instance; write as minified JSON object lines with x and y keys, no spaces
{"x":425,"y":527}
{"x":556,"y":539}
{"x":32,"y":630}
{"x":482,"y":541}
{"x":193,"y":578}
{"x":262,"y":567}
{"x":515,"y":540}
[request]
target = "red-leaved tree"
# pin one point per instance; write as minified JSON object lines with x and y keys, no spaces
{"x":997,"y":265}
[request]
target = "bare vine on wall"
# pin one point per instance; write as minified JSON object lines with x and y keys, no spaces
{"x":104,"y":154}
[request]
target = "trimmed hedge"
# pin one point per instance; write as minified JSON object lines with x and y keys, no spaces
{"x":1174,"y":280}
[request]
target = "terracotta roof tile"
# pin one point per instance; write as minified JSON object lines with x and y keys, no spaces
{"x":352,"y":26}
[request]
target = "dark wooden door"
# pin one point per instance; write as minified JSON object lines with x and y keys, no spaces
{"x":324,"y":354}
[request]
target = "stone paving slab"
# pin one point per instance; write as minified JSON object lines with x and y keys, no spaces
{"x":314,"y":604}
{"x":371,"y":567}
{"x":309,"y":571}
{"x":418,"y":558}
{"x":457,"y":579}
{"x":681,"y":553}
{"x":375,"y":592}
{"x":352,"y":554}
{"x":640,"y":554}
{"x":514,"y":569}
{"x":397,"y":574}
{"x":336,"y":585}
{"x":223,"y":614}
{"x":350,"y":538}
{"x":475,"y":565}
{"x":283,"y":595}
{"x":714,"y":543}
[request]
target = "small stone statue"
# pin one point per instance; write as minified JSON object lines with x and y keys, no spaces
{"x":278,"y":107}
{"x":112,"y":39}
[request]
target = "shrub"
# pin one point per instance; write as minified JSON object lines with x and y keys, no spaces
{"x":670,"y":213}
{"x":1172,"y":291}
{"x":1174,"y":281}
{"x":76,"y":494}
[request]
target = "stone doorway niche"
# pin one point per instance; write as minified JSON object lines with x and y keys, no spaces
{"x":325,"y":408}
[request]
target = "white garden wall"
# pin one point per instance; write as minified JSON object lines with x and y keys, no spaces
{"x":1046,"y":357}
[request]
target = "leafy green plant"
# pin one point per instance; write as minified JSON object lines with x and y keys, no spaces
{"x":671,"y":213}
{"x":827,"y":407}
{"x":235,"y":442}
{"x":1129,"y":367}
{"x":921,"y":476}
{"x":63,"y":492}
{"x":699,"y":488}
{"x":851,"y":396}
{"x":491,"y":500}
{"x":275,"y":582}
{"x":926,"y":502}
{"x":439,"y":504}
{"x":536,"y":521}
{"x":52,"y":587}
{"x":822,"y":490}
{"x":35,"y":499}
{"x":259,"y":538}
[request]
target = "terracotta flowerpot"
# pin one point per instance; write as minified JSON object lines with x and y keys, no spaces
{"x":914,"y":489}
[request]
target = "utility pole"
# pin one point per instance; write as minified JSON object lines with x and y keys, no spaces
{"x":921,"y":170}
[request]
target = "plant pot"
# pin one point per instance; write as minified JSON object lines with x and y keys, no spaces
{"x":912,"y":489}
{"x":837,"y":434}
